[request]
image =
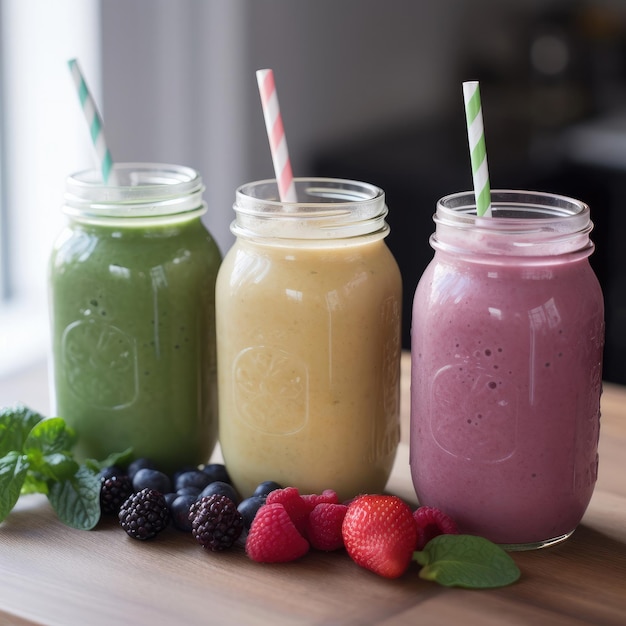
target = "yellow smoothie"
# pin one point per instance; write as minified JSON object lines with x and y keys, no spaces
{"x":309,"y":364}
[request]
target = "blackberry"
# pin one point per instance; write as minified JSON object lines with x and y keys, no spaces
{"x":144,"y":514}
{"x":215,"y":522}
{"x":114,"y":491}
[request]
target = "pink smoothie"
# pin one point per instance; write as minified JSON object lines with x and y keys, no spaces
{"x":505,"y":394}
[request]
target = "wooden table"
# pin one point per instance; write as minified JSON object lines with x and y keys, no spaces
{"x":51,"y":574}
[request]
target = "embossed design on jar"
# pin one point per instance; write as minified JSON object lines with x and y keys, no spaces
{"x":588,"y":422}
{"x":100,"y":364}
{"x":386,"y":435}
{"x":271,"y":390}
{"x":475,"y":420}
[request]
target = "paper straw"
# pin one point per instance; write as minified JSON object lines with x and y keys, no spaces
{"x":478,"y":151}
{"x":94,"y":121}
{"x":276,"y":135}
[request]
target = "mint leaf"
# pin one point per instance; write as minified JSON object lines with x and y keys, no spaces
{"x":117,"y":458}
{"x":58,"y":466}
{"x":76,"y":500}
{"x":15,"y":424}
{"x":49,"y":436}
{"x":13,"y":469}
{"x":34,"y":483}
{"x":466,"y":561}
{"x":36,"y":457}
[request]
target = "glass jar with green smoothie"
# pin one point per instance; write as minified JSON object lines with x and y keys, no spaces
{"x":132,"y":304}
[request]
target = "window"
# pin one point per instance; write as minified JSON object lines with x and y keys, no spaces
{"x":43,"y":138}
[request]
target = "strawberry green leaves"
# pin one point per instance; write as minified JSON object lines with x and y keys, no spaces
{"x":36,"y":457}
{"x":466,"y":561}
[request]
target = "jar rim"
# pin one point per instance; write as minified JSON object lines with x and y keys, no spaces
{"x":323,"y":192}
{"x":142,"y":190}
{"x":327,"y":209}
{"x":529,"y":224}
{"x":514,"y":210}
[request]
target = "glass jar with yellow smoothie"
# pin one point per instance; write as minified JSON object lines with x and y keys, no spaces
{"x":308,"y":304}
{"x":132,"y":304}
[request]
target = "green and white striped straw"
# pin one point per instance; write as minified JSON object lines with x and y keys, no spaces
{"x":94,"y":121}
{"x":478,"y":151}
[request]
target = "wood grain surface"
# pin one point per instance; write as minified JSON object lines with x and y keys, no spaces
{"x":51,"y":574}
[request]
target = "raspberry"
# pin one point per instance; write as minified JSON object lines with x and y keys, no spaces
{"x":297,"y":508}
{"x":323,"y":528}
{"x":273,"y":538}
{"x":431,"y":522}
{"x":313,"y":499}
{"x":144,"y":514}
{"x":215,"y":522}
{"x":114,"y":491}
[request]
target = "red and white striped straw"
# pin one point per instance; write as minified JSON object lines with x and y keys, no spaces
{"x":276,"y":135}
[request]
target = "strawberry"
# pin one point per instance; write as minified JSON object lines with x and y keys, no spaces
{"x":294,"y":504}
{"x":273,"y":538}
{"x":379,"y":534}
{"x":431,"y":522}
{"x":323,"y":528}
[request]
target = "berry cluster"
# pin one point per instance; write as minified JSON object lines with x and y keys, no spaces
{"x":379,"y":532}
{"x":198,"y":500}
{"x":289,"y":524}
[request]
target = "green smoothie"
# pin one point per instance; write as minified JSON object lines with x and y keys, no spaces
{"x":133,"y":325}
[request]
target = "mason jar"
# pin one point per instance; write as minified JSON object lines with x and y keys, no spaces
{"x":507,"y":340}
{"x":308,"y":333}
{"x":132,"y":284}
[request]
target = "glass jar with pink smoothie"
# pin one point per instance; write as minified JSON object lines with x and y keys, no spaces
{"x":308,"y":305}
{"x":507,"y":338}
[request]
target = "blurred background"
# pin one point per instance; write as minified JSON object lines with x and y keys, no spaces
{"x":368,"y":90}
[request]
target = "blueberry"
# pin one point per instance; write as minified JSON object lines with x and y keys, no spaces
{"x":183,"y":470}
{"x":138,"y":464}
{"x":188,"y":491}
{"x":169,"y":498}
{"x":110,"y":471}
{"x":248,"y":509}
{"x":194,"y":478}
{"x":221,"y":488}
{"x":265,"y":487}
{"x":179,"y":510}
{"x":152,"y":479}
{"x":217,"y":471}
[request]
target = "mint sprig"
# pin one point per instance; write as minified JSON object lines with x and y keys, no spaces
{"x":466,"y":561}
{"x":36,"y":457}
